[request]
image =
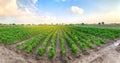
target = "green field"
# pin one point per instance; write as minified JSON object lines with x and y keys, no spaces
{"x":77,"y":37}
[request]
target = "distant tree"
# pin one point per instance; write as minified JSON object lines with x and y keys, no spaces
{"x":70,"y":24}
{"x":13,"y":24}
{"x":103,"y":23}
{"x":22,"y":24}
{"x":83,"y":23}
{"x":99,"y":23}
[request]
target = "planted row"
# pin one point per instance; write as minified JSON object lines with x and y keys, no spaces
{"x":71,"y":44}
{"x":32,"y":43}
{"x":10,"y":35}
{"x":101,"y":32}
{"x":84,"y":40}
{"x":41,"y":49}
{"x":62,"y":44}
{"x":52,"y":46}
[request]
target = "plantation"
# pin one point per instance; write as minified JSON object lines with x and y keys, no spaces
{"x":42,"y":40}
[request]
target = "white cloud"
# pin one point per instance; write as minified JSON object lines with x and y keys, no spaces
{"x":77,"y":10}
{"x":34,"y":1}
{"x":10,"y":9}
{"x":63,"y":0}
{"x":60,"y":0}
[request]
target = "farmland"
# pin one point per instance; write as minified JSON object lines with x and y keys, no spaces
{"x":56,"y":41}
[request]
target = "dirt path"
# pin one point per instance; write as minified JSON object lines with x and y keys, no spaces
{"x":68,"y":51}
{"x":57,"y":46}
{"x":23,"y":41}
{"x":58,"y":58}
{"x":104,"y":55}
{"x":8,"y":56}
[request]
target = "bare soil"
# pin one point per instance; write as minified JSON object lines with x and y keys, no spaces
{"x":106,"y":53}
{"x":9,"y":56}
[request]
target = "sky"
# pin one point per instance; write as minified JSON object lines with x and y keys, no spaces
{"x":59,"y":11}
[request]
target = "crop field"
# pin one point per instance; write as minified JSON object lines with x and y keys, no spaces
{"x":52,"y":41}
{"x":59,"y":31}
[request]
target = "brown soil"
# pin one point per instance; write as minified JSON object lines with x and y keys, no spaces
{"x":118,"y":49}
{"x":110,"y":57}
{"x":8,"y":56}
{"x":107,"y":54}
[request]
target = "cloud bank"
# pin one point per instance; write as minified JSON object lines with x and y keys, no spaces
{"x":77,"y":10}
{"x":11,"y":13}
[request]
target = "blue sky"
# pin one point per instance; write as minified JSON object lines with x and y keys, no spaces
{"x":59,"y":7}
{"x":59,"y":11}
